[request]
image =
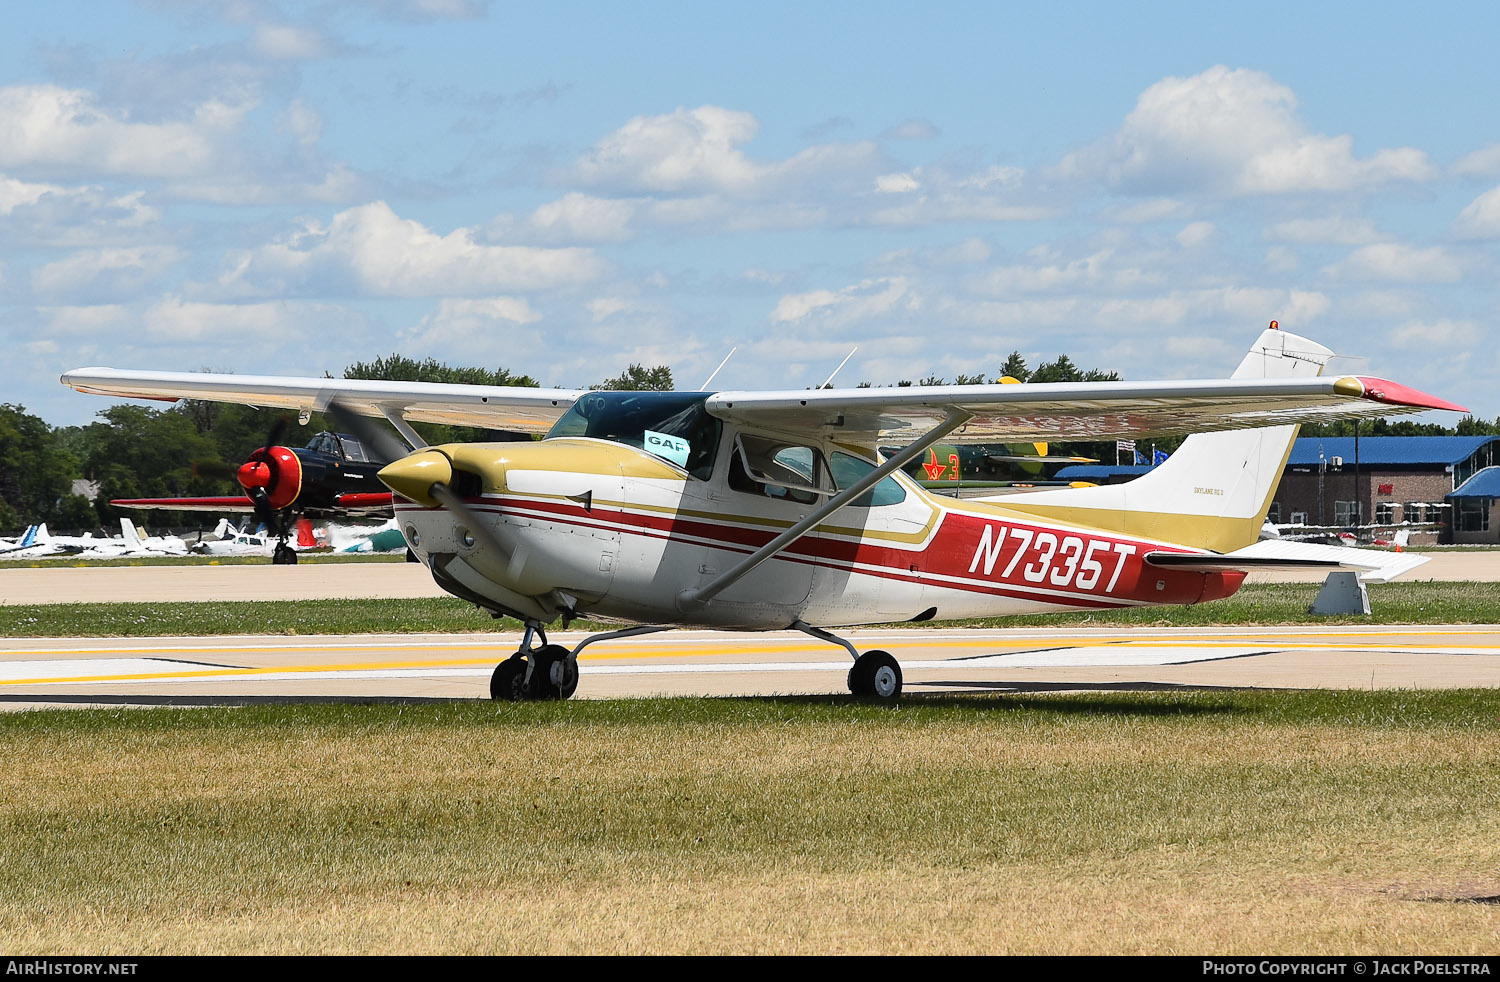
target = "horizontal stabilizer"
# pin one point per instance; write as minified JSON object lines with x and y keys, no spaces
{"x":1213,"y":562}
{"x":1268,"y":554}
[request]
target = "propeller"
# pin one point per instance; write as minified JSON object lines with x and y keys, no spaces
{"x":381,"y":445}
{"x":259,"y":475}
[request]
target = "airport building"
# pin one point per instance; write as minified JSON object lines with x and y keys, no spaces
{"x":1449,"y":486}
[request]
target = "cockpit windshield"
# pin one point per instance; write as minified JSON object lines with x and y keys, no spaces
{"x":674,"y":426}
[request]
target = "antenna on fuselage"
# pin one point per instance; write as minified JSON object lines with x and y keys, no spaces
{"x":716,"y":370}
{"x":829,"y":380}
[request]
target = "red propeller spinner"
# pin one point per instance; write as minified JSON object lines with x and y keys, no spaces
{"x":275,"y":469}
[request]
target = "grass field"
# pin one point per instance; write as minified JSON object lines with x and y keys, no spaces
{"x":1225,"y":822}
{"x":1254,"y":605}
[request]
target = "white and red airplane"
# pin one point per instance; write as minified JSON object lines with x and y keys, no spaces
{"x":774,"y":510}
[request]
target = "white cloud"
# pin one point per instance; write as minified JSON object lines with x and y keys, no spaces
{"x":1426,"y":336}
{"x":577,"y":217}
{"x":1281,"y":260}
{"x":287,"y":42}
{"x":896,"y":183}
{"x":87,"y":320}
{"x":1481,"y":219}
{"x":373,"y":251}
{"x":1392,"y":262}
{"x":838,"y":308}
{"x":54,"y":215}
{"x":603,"y":308}
{"x":1236,"y":132}
{"x":1195,"y":235}
{"x":1484,"y":162}
{"x":112,"y":271}
{"x":1331,"y":229}
{"x":482,"y":324}
{"x":1215,"y":306}
{"x":698,"y":150}
{"x":50,"y":127}
{"x":175,"y":319}
{"x":1094,"y":271}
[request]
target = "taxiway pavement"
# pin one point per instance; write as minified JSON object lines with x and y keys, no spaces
{"x":219,"y":670}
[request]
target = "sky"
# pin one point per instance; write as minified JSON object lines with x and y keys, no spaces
{"x":562,"y":189}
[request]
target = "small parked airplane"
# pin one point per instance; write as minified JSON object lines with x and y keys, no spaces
{"x":332,"y":475}
{"x":775,"y":510}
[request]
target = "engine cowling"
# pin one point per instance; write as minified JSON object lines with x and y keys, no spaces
{"x":276,"y":470}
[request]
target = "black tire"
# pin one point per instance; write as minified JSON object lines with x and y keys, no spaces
{"x":283,"y":555}
{"x":507,"y":684}
{"x":876,"y":675}
{"x":541,"y":685}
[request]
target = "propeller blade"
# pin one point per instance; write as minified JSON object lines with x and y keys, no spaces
{"x":448,"y":499}
{"x":381,"y":444}
{"x":218,"y":469}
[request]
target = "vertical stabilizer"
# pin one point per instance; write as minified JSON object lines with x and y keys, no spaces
{"x":1213,"y":493}
{"x":130,"y":535}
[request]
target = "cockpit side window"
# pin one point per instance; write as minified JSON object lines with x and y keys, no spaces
{"x":350,"y":447}
{"x":674,"y":426}
{"x":779,"y":469}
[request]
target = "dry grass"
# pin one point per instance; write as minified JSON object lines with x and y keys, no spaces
{"x":1254,"y":822}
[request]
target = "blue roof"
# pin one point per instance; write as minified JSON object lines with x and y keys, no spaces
{"x":1376,"y":451}
{"x":1484,"y":484}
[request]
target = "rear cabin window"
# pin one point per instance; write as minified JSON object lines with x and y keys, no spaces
{"x":848,"y":468}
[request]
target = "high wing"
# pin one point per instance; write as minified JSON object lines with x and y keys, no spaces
{"x":1073,"y":410}
{"x":1049,"y":411}
{"x":527,"y":410}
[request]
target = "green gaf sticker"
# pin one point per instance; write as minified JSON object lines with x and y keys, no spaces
{"x":673,"y":448}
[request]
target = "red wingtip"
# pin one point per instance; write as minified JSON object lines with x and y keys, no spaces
{"x":1384,"y":390}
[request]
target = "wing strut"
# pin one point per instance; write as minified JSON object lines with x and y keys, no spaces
{"x":700,"y":595}
{"x":394,"y":417}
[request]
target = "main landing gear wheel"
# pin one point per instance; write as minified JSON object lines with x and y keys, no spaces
{"x":508,"y":682}
{"x":875,"y":675}
{"x":283,"y":555}
{"x":554,"y":675}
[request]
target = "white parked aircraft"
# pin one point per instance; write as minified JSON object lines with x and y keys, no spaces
{"x":774,"y":510}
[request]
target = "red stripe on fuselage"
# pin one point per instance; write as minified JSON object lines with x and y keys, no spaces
{"x":1062,"y":566}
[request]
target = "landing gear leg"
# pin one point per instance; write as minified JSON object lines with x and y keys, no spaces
{"x":875,"y":674}
{"x":549,"y":671}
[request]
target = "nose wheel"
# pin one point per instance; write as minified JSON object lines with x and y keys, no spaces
{"x":546,"y":672}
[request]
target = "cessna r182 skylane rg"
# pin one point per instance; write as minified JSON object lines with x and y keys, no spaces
{"x":774,"y":510}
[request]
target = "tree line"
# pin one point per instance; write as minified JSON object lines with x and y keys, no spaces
{"x":191,"y":448}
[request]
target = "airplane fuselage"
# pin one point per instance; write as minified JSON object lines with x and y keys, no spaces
{"x":593,"y":526}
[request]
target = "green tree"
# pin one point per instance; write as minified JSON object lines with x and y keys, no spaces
{"x":399,"y":368}
{"x":36,"y":471}
{"x":639,"y":378}
{"x":1015,"y":367}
